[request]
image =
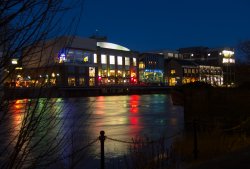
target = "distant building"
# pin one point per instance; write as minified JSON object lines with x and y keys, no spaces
{"x":168,"y":54}
{"x":151,"y":68}
{"x":180,"y":72}
{"x":218,"y":57}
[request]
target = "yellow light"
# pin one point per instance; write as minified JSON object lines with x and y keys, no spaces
{"x":18,"y":68}
{"x":86,"y":59}
{"x":53,"y":74}
{"x":227,"y":53}
{"x":14,"y":62}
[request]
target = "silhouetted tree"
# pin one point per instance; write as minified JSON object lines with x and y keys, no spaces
{"x":33,"y":133}
{"x":244,"y":48}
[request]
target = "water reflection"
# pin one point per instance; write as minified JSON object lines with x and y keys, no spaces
{"x":77,"y":121}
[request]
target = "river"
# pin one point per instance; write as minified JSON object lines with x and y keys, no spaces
{"x":78,"y":121}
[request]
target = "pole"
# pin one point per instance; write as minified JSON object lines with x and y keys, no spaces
{"x":102,"y":139}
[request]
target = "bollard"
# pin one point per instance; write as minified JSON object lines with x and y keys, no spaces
{"x":102,"y":139}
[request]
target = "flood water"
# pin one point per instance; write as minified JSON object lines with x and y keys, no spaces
{"x":78,"y":122}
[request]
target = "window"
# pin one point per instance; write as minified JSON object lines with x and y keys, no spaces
{"x":112,"y":59}
{"x":134,"y":61}
{"x":91,"y":71}
{"x":193,"y":70}
{"x":119,"y":73}
{"x":95,"y":58}
{"x":81,"y":81}
{"x":104,"y":59}
{"x":112,"y":72}
{"x":172,"y":71}
{"x":91,"y":81}
{"x":127,"y":61}
{"x":141,"y":65}
{"x":119,"y":60}
{"x":185,"y":70}
{"x":104,"y":73}
{"x":71,"y":81}
{"x":85,"y":59}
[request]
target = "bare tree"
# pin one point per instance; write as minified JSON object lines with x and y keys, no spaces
{"x":244,"y":48}
{"x":34,"y":135}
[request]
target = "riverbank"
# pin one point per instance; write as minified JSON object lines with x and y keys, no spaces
{"x":62,"y":92}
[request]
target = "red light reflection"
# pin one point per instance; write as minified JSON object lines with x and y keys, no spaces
{"x":134,"y":118}
{"x":134,"y":102}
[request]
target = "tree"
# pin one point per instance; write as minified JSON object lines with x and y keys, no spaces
{"x":244,"y":48}
{"x":36,"y":139}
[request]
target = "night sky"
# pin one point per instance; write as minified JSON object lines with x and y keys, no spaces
{"x":145,"y":25}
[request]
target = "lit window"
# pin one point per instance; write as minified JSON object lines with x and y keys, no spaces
{"x":119,"y":60}
{"x":112,"y":72}
{"x":81,"y":81}
{"x":71,"y":81}
{"x":119,"y":73}
{"x":193,"y":70}
{"x":111,"y":59}
{"x":14,"y":61}
{"x":127,"y":61}
{"x":86,"y":59}
{"x":141,"y":65}
{"x":231,"y":60}
{"x":62,"y":57}
{"x":227,"y":53}
{"x":172,"y":71}
{"x":95,"y":58}
{"x":185,"y":70}
{"x":104,"y":59}
{"x":170,"y":54}
{"x":134,"y":61}
{"x":225,"y":60}
{"x":91,"y":71}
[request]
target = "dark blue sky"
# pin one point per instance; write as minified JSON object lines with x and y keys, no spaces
{"x":145,"y":25}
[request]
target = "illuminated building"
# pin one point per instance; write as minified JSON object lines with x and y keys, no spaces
{"x":180,"y":72}
{"x":75,"y":61}
{"x":151,"y":68}
{"x":215,"y":57}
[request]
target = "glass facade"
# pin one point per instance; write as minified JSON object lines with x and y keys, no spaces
{"x":76,"y":56}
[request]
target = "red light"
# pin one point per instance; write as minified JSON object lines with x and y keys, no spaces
{"x":99,"y":77}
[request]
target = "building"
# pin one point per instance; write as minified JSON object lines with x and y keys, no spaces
{"x":151,"y":68}
{"x":79,"y":62}
{"x":217,"y":57}
{"x":180,"y":72}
